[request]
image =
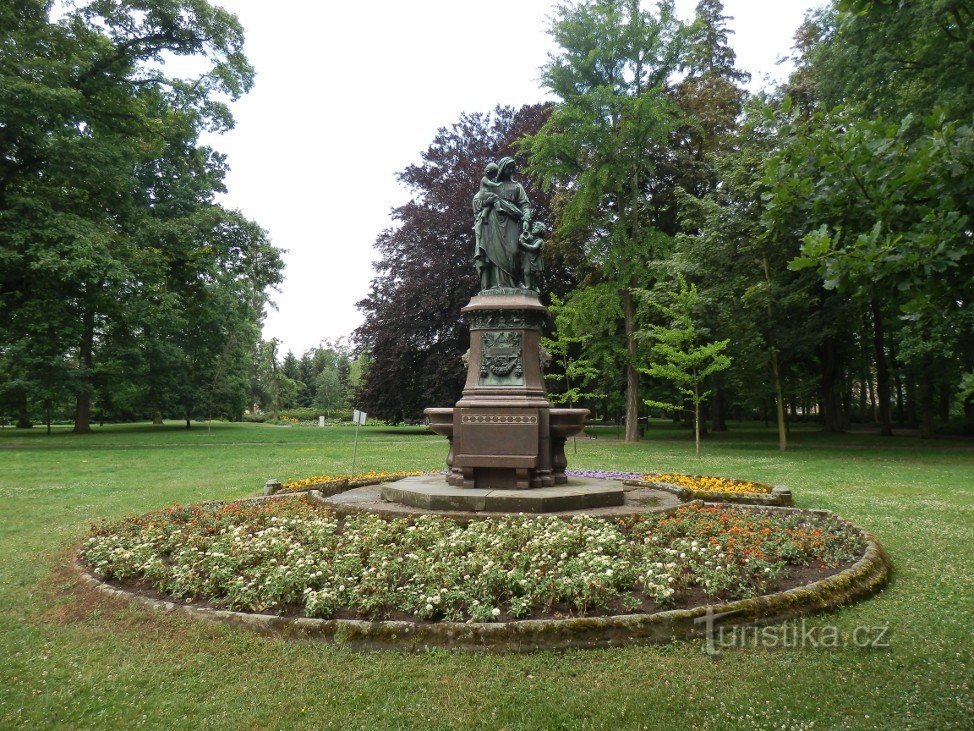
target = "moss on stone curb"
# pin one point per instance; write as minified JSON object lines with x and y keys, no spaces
{"x":865,"y":577}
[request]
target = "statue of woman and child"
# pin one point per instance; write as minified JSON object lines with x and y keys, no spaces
{"x":507,"y":245}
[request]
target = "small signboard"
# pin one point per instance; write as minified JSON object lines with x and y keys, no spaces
{"x":321,"y":421}
{"x":358,"y":418}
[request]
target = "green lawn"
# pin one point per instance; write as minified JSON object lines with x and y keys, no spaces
{"x":72,"y":659}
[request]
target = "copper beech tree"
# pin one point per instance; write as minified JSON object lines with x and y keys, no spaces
{"x":414,"y":336}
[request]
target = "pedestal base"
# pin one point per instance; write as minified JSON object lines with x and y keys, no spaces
{"x":428,"y":492}
{"x":503,"y":433}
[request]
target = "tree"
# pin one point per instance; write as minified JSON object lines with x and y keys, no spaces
{"x":413,"y":331}
{"x":892,"y":58}
{"x":680,"y":353}
{"x":885,"y":98}
{"x":572,"y":372}
{"x":602,"y":143}
{"x":711,"y":98}
{"x":106,"y":196}
{"x":330,"y":392}
{"x":893,"y":207}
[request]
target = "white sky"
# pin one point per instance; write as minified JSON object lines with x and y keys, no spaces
{"x":349,"y":93}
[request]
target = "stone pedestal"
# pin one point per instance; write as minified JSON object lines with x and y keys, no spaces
{"x":503,"y":433}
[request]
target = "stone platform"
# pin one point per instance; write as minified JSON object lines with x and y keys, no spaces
{"x":431,"y":492}
{"x":431,"y":495}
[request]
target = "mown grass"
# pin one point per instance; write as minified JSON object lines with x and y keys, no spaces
{"x":73,"y":659}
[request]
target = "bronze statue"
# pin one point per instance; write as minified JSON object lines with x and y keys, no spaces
{"x":502,"y":213}
{"x":531,"y":265}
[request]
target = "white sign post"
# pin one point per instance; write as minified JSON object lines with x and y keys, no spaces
{"x":359,"y":418}
{"x":321,"y":421}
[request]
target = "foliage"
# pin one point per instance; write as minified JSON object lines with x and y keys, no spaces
{"x":316,"y":384}
{"x":603,"y":143}
{"x":883,"y":214}
{"x":679,"y":353}
{"x":572,"y":372}
{"x":110,"y":233}
{"x":893,"y":58}
{"x":413,"y":333}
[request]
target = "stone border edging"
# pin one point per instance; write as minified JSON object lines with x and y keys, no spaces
{"x":865,"y":577}
{"x":779,"y":495}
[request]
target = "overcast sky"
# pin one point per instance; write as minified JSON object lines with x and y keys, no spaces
{"x":349,"y":93}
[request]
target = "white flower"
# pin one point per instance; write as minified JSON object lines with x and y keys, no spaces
{"x":496,"y":612}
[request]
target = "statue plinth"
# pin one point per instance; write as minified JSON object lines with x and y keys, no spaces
{"x":503,"y":432}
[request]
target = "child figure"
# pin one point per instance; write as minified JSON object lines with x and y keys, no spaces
{"x":487,"y":183}
{"x":486,"y":196}
{"x":483,"y":202}
{"x":530,"y":243}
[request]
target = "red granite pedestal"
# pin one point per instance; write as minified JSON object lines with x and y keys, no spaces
{"x":503,"y":432}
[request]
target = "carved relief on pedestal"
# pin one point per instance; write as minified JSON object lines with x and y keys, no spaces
{"x":501,"y":360}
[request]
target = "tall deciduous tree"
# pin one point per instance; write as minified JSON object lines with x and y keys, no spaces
{"x":892,"y":58}
{"x":603,"y":144}
{"x":109,"y":226}
{"x":413,"y":332}
{"x":893,"y":208}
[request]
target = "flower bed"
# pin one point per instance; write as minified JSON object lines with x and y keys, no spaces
{"x":703,"y":483}
{"x":336,"y":483}
{"x":715,"y":489}
{"x":296,"y":557}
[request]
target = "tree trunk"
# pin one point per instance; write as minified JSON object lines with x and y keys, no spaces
{"x":775,"y":370}
{"x":82,"y":412}
{"x":632,"y":375}
{"x":882,"y":372}
{"x":23,"y":415}
{"x":157,"y":419}
{"x":926,"y":407}
{"x":846,"y":402}
{"x":718,"y":406}
{"x":780,"y":402}
{"x":862,"y":397}
{"x":911,"y":400}
{"x":869,"y":416}
{"x":832,"y":419}
{"x":696,"y":416}
{"x":944,"y":401}
{"x":898,"y":380}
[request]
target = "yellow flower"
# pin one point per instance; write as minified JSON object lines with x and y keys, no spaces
{"x":703,"y":483}
{"x":326,"y":480}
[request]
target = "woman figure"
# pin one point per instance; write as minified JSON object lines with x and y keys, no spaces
{"x":502,"y":213}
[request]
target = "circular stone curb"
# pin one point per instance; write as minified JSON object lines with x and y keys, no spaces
{"x":779,"y":495}
{"x":864,"y":578}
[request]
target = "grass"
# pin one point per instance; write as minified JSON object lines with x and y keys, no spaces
{"x":72,"y":659}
